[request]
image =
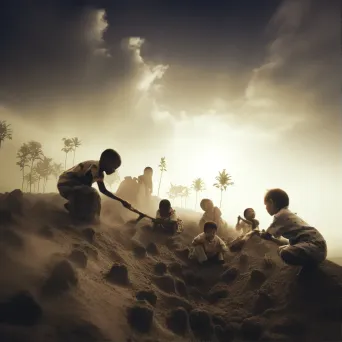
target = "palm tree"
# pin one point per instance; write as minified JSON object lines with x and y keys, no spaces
{"x":35,"y":153}
{"x":113,"y":179}
{"x":56,"y":169}
{"x":23,"y":156}
{"x":162,"y":168}
{"x":198,"y":186}
{"x":68,"y":147}
{"x":173,"y":191}
{"x":76,"y":143}
{"x":186,"y":194}
{"x":223,"y":181}
{"x":5,"y":131}
{"x":31,"y":179}
{"x":44,"y":170}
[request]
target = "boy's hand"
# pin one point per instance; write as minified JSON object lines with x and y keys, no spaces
{"x":126,"y":204}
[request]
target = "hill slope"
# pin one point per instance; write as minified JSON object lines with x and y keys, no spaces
{"x":58,"y":283}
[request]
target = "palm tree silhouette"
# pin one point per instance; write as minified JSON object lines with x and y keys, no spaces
{"x":76,"y":143}
{"x":162,"y":168}
{"x":5,"y":131}
{"x":186,"y":194}
{"x":43,"y":170}
{"x":35,"y":153}
{"x":31,"y":179}
{"x":23,"y":156}
{"x":68,"y":147}
{"x":198,"y":185}
{"x":223,"y":181}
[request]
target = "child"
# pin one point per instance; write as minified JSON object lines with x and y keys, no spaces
{"x":250,"y":220}
{"x":212,"y":214}
{"x":145,"y":181}
{"x":307,"y":246}
{"x":80,"y":178}
{"x":166,"y":218}
{"x":207,"y":246}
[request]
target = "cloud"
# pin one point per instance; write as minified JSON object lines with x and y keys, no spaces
{"x":300,"y":78}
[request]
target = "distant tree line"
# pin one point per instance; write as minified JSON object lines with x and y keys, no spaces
{"x":37,"y":168}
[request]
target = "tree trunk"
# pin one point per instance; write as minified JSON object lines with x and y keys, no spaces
{"x":196,"y":200}
{"x":66,"y":156}
{"x":221,"y":199}
{"x":44,"y":184}
{"x":38,"y":183}
{"x":31,"y":175}
{"x":73,"y":162}
{"x":23,"y":181}
{"x":160,"y":179}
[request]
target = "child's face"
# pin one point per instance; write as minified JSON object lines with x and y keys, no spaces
{"x":270,"y":207}
{"x":164,"y":211}
{"x":210,"y":234}
{"x":110,"y":166}
{"x":208,"y":206}
{"x":250,"y":214}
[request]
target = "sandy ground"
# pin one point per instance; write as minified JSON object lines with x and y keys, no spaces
{"x":62,"y":281}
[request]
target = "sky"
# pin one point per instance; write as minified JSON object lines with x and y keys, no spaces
{"x":253,"y":87}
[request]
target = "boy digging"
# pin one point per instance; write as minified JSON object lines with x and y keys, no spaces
{"x":250,"y":220}
{"x":307,"y":247}
{"x":207,"y":246}
{"x":75,"y":185}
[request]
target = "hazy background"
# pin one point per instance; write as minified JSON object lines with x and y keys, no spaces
{"x":250,"y":86}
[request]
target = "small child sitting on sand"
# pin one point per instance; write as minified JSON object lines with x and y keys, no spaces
{"x":207,"y":246}
{"x":211,"y":214}
{"x":249,"y":222}
{"x":306,"y":247}
{"x":166,"y":218}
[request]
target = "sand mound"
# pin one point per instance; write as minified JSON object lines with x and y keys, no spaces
{"x":65,"y":281}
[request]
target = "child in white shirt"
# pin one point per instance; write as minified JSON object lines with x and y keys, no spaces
{"x":207,"y":246}
{"x":306,"y":247}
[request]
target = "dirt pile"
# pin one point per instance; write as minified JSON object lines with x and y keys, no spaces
{"x":65,"y":281}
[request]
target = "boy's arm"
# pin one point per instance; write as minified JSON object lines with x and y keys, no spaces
{"x":246,"y":221}
{"x":198,"y":240}
{"x":223,"y":245}
{"x":104,"y":191}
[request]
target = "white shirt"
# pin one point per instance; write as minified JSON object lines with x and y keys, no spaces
{"x":217,"y":245}
{"x":293,"y":228}
{"x":85,"y":173}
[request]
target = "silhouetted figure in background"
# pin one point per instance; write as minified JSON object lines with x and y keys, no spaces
{"x":75,"y":185}
{"x":306,"y":247}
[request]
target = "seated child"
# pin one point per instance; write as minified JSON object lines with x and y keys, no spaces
{"x":166,"y":218}
{"x":207,"y":246}
{"x":306,"y":247}
{"x":251,"y":223}
{"x":212,"y":214}
{"x":82,"y":176}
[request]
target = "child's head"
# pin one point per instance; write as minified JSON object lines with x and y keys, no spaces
{"x":249,"y":214}
{"x":110,"y":160}
{"x":210,"y":229}
{"x":206,"y":204}
{"x":275,"y":200}
{"x":148,"y":171}
{"x":164,"y":207}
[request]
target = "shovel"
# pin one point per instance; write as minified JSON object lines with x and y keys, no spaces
{"x":141,"y":215}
